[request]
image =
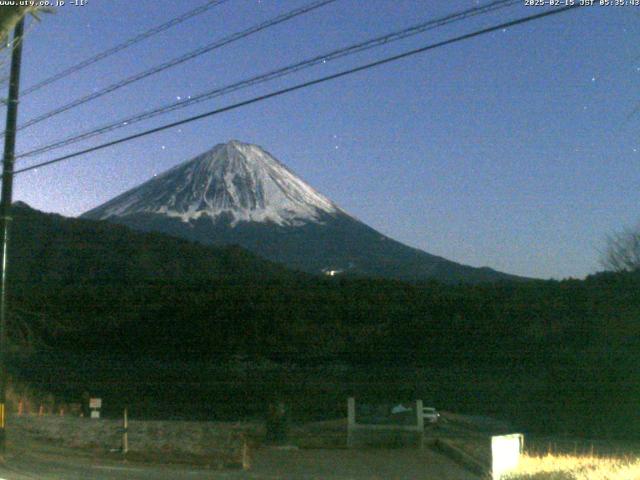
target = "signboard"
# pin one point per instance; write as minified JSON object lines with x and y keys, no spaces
{"x":95,"y":403}
{"x":505,"y":454}
{"x":95,"y":413}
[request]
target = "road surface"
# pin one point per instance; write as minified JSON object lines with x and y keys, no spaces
{"x":30,"y":460}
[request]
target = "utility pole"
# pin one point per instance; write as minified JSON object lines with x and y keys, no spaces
{"x":5,"y":214}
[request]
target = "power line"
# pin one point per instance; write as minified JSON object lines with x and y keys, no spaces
{"x":178,"y":60}
{"x":300,"y":86}
{"x":126,"y":44}
{"x":280,"y":72}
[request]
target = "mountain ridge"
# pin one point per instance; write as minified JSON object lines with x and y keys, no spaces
{"x":238,"y":193}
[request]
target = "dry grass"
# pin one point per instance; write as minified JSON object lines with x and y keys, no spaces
{"x":571,"y":467}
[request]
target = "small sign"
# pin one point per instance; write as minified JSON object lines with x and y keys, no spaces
{"x":505,"y":453}
{"x":95,"y":413}
{"x":95,"y":403}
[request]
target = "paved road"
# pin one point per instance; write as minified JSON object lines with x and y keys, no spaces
{"x":26,"y":460}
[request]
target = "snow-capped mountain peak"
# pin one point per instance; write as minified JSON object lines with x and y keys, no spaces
{"x":239,"y":194}
{"x":237,"y":180}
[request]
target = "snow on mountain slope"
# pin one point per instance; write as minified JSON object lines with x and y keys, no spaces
{"x":238,"y":194}
{"x":235,"y":179}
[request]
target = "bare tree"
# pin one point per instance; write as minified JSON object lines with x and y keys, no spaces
{"x":622,"y":251}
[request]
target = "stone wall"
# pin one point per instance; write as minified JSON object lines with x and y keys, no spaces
{"x":164,"y":438}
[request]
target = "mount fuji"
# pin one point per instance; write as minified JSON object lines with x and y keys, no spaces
{"x":237,"y":193}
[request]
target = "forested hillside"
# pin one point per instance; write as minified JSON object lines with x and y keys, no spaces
{"x":97,"y":306}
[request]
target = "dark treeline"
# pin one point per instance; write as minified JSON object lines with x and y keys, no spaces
{"x":173,"y":322}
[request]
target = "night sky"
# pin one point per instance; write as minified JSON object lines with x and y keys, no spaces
{"x":516,"y":150}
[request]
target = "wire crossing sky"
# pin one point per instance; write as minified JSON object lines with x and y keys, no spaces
{"x":299,"y":86}
{"x":513,"y":150}
{"x":126,"y":44}
{"x":318,"y":59}
{"x":177,"y":61}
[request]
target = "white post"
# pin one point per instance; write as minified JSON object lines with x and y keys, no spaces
{"x":351,"y":420}
{"x":125,"y":433}
{"x":420,"y":420}
{"x":246,"y":463}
